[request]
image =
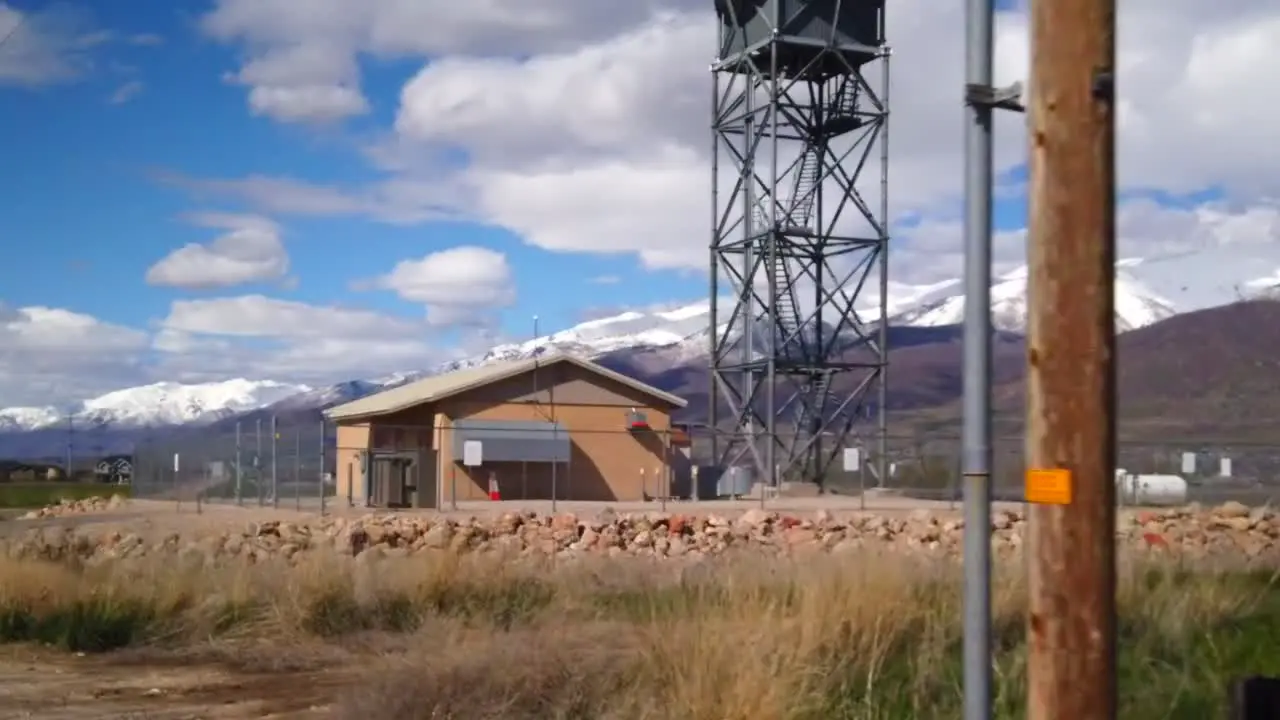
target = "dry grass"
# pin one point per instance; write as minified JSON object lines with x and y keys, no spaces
{"x":748,"y":639}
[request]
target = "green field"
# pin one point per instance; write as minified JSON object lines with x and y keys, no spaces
{"x":38,"y":494}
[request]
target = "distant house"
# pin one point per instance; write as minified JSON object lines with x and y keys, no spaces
{"x":20,"y":472}
{"x":116,"y":469}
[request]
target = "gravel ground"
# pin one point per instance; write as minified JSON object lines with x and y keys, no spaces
{"x":165,"y":516}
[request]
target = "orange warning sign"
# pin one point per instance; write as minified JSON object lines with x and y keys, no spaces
{"x":1048,"y":487}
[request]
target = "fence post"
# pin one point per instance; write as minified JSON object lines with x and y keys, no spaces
{"x":555,"y":468}
{"x":257,"y":460}
{"x":177,"y":494}
{"x":297,"y":467}
{"x":275,"y":465}
{"x":239,"y":471}
{"x":862,"y":482}
{"x":320,"y":470}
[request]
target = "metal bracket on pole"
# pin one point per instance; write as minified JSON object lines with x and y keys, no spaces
{"x":993,"y":98}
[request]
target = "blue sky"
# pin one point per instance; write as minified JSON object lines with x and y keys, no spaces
{"x":314,"y":191}
{"x":87,"y":195}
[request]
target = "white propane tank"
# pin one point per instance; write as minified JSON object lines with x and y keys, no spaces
{"x":1150,"y":490}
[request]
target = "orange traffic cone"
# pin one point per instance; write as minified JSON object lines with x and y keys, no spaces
{"x":494,"y":493}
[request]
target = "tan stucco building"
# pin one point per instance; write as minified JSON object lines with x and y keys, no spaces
{"x":555,"y":425}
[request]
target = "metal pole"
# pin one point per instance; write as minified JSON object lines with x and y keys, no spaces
{"x":1071,"y":418}
{"x":714,"y":287}
{"x":746,"y":297}
{"x":297,"y":468}
{"x":976,"y":433}
{"x":177,"y":496}
{"x":883,"y":411}
{"x":71,"y":431}
{"x":257,"y":459}
{"x":555,"y":439}
{"x":772,"y":237}
{"x":862,"y":483}
{"x":275,"y":454}
{"x":239,"y":472}
{"x":320,"y":469}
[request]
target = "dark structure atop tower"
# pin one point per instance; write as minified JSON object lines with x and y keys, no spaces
{"x":800,"y":230}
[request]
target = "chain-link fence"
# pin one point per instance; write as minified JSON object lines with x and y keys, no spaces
{"x":260,"y":463}
{"x":929,"y":467}
{"x":310,"y":465}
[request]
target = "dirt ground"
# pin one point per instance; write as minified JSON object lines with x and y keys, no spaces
{"x":49,"y":685}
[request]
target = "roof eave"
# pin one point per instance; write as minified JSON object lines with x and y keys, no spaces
{"x":336,"y":414}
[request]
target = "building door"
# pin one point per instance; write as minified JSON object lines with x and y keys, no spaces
{"x":393,"y":480}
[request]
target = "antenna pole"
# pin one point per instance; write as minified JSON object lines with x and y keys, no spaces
{"x":1071,"y":431}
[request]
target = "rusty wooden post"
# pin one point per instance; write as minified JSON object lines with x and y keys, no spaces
{"x":1071,"y":419}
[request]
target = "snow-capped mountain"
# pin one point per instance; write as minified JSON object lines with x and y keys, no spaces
{"x":663,"y":327}
{"x":1136,"y":305}
{"x":165,"y":403}
{"x":680,"y":332}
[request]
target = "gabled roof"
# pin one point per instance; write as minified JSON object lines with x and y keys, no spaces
{"x":439,"y":387}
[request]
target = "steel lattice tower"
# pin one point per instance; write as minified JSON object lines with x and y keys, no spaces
{"x":796,"y":352}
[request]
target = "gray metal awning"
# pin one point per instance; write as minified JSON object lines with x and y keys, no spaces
{"x":513,"y":440}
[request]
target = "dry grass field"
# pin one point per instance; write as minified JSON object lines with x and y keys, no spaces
{"x":868,"y":635}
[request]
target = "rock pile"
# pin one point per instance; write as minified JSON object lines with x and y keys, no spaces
{"x":77,"y":507}
{"x":1231,"y":528}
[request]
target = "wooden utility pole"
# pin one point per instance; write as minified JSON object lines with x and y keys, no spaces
{"x":1071,"y":419}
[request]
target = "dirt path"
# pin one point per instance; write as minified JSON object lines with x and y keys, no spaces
{"x":47,"y":685}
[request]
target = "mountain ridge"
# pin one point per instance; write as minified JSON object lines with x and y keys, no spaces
{"x":666,"y":346}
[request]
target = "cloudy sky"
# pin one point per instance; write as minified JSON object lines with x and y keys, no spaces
{"x":317,"y":190}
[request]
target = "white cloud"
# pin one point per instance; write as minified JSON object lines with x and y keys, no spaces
{"x":586,"y":127}
{"x":250,"y":250}
{"x":43,"y":47}
{"x":307,"y":82}
{"x":1196,"y":255}
{"x":614,"y":99}
{"x":397,"y":201}
{"x":50,"y":355}
{"x":273,"y":338}
{"x":1198,"y":109}
{"x":458,"y":286}
{"x":302,"y":58}
{"x":259,"y":316}
{"x":656,"y":208}
{"x":126,"y":92}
